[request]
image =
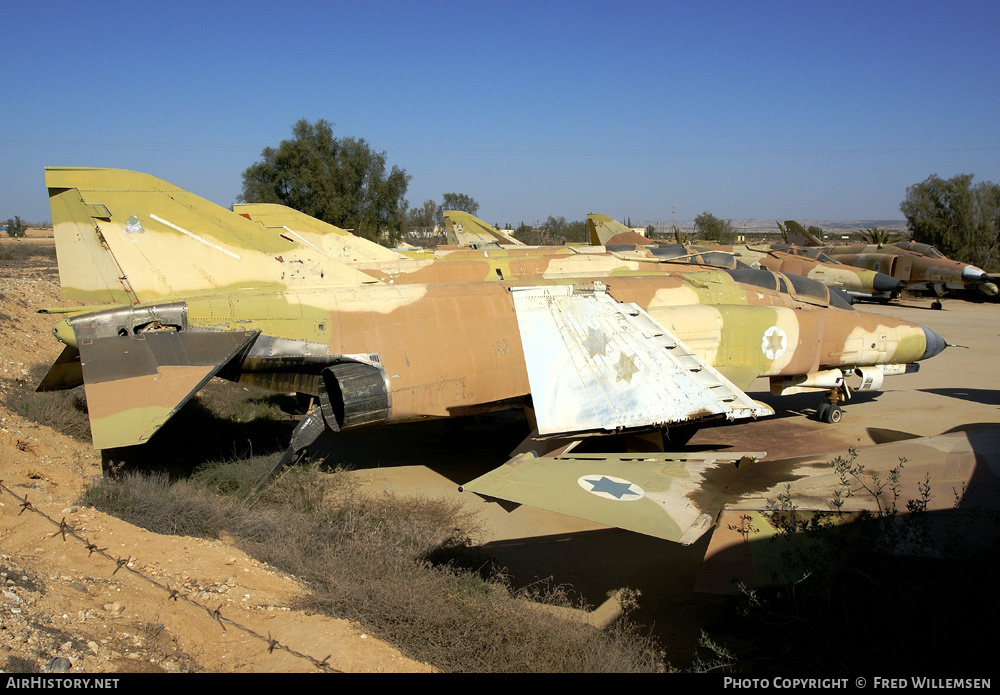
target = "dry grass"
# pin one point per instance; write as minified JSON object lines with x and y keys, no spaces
{"x":28,"y":253}
{"x":63,"y":411}
{"x":395,"y":565}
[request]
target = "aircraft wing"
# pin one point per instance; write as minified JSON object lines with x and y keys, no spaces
{"x":595,"y":364}
{"x":135,"y":383}
{"x":672,"y":496}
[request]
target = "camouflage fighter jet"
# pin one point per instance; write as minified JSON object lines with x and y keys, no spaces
{"x":482,"y":261}
{"x":192,"y":291}
{"x":782,"y":258}
{"x":921,"y":267}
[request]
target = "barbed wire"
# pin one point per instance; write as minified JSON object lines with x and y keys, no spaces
{"x":66,"y":531}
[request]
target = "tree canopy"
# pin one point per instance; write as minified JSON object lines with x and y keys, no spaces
{"x":710,"y":227}
{"x":422,"y":220}
{"x":959,"y":218}
{"x":15,"y":226}
{"x":460,"y":201}
{"x":340,"y":181}
{"x":553,"y":232}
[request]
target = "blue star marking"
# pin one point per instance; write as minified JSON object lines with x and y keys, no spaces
{"x":610,"y":487}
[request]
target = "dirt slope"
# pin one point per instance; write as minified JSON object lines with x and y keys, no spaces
{"x":88,"y":592}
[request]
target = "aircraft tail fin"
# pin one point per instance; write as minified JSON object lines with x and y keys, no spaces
{"x":463,"y":229}
{"x":607,"y":231}
{"x":127,"y":237}
{"x":330,"y":240}
{"x":796,"y":234}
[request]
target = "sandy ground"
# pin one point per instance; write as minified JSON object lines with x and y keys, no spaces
{"x":111,"y":607}
{"x":100,"y":594}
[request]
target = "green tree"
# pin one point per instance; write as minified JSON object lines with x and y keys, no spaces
{"x":460,"y":201}
{"x":961,"y":219}
{"x":710,"y":227}
{"x":422,"y":220}
{"x":15,"y":227}
{"x":456,"y":201}
{"x":340,"y":181}
{"x":526,"y":233}
{"x":557,"y":231}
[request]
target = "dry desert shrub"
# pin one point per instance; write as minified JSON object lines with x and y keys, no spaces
{"x":394,"y":564}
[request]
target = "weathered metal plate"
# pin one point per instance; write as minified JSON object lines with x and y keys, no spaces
{"x":596,"y":364}
{"x":134,"y":384}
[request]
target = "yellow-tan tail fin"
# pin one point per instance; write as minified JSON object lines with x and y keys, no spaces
{"x":607,"y":231}
{"x":328,"y":239}
{"x":127,"y":237}
{"x":463,"y":229}
{"x":799,"y":235}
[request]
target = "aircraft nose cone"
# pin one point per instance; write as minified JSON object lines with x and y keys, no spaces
{"x":886,"y":283}
{"x":935,"y":344}
{"x":971,"y":273}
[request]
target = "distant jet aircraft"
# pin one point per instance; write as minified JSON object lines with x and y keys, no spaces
{"x":782,"y":258}
{"x":192,"y":290}
{"x":478,"y":260}
{"x":921,"y":267}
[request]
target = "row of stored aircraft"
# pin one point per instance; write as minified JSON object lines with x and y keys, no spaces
{"x":590,"y":341}
{"x":868,"y":271}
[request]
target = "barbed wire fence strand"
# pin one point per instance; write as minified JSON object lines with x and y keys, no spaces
{"x":65,"y":530}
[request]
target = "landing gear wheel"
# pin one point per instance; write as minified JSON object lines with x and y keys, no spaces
{"x":833,"y":414}
{"x":821,"y":411}
{"x":936,"y":305}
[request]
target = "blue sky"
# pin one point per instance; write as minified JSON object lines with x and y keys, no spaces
{"x":807,"y":110}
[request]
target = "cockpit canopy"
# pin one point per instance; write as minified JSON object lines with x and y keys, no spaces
{"x":917,"y":247}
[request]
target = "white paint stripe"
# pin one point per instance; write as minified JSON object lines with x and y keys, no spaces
{"x":197,"y":238}
{"x":299,"y":237}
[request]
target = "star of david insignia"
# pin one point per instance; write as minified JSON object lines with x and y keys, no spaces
{"x":596,"y":343}
{"x":774,"y":343}
{"x":625,"y":368}
{"x":611,"y":488}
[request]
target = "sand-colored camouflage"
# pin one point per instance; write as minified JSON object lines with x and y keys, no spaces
{"x":193,"y":291}
{"x":784,"y":258}
{"x":921,"y":267}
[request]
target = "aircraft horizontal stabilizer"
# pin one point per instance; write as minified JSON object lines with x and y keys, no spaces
{"x":136,"y":383}
{"x":65,"y":372}
{"x":596,"y":364}
{"x":672,"y":496}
